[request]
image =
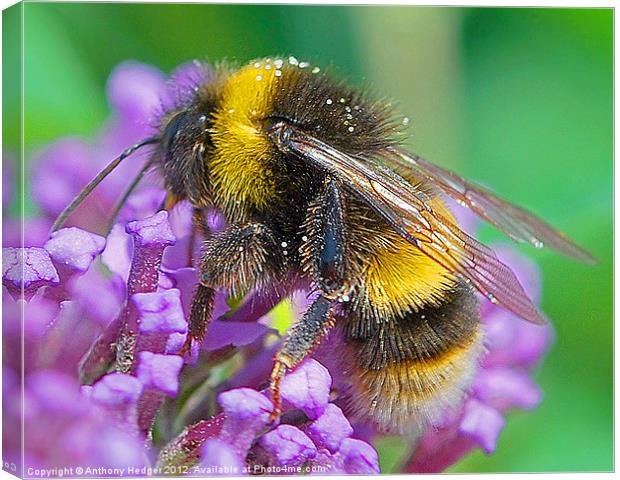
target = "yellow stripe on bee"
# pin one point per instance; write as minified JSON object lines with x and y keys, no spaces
{"x":241,"y":149}
{"x":400,"y":278}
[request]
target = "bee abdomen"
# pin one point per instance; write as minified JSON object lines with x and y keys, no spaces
{"x":406,"y":373}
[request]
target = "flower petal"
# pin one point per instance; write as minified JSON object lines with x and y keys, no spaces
{"x":512,"y":341}
{"x":359,"y":457}
{"x":160,"y":371}
{"x":482,"y":423}
{"x":73,"y":249}
{"x":219,"y":457}
{"x":223,"y":333}
{"x":59,"y":171}
{"x":117,"y":253}
{"x":330,"y":429}
{"x":135,"y":91}
{"x":288,"y":445}
{"x":152,"y":231}
{"x":117,"y":389}
{"x":307,"y":388}
{"x":31,"y":267}
{"x":160,"y":312}
{"x":245,"y":404}
{"x":505,"y":388}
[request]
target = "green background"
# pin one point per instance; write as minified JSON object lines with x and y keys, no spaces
{"x":519,"y":99}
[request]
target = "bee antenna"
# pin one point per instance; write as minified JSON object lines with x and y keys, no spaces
{"x":121,"y":201}
{"x":62,"y":218}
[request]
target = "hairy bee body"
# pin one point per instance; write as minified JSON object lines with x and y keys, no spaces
{"x":410,"y":326}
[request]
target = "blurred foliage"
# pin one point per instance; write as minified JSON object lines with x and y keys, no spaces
{"x":519,"y":99}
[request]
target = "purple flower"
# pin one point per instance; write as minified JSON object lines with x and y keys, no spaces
{"x":27,"y":268}
{"x":59,"y":173}
{"x":237,"y":334}
{"x":73,"y":249}
{"x":160,"y":312}
{"x":117,"y":389}
{"x":358,"y":457}
{"x":135,"y":91}
{"x":482,"y":423}
{"x":83,"y":433}
{"x":160,"y":371}
{"x":308,"y":388}
{"x":153,"y":232}
{"x":288,"y":445}
{"x":219,"y":457}
{"x":330,"y":429}
{"x":246,"y":432}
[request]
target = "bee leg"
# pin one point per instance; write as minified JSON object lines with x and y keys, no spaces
{"x":199,"y":226}
{"x":235,"y":259}
{"x":325,"y":258}
{"x":301,"y":340}
{"x":199,"y":317}
{"x":241,"y":258}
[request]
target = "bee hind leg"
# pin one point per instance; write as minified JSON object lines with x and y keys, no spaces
{"x":301,"y":340}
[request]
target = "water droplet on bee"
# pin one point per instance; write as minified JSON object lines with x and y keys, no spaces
{"x":304,"y":64}
{"x":278,"y":73}
{"x":284,"y":244}
{"x":259,"y":77}
{"x":293,"y":61}
{"x":316,"y":70}
{"x":329,"y":101}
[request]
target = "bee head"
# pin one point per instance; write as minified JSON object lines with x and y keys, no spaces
{"x":181,"y":133}
{"x":183,"y":143}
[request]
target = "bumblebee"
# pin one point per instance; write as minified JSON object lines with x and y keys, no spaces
{"x":312,"y":180}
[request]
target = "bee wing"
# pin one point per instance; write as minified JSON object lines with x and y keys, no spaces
{"x":407,"y":210}
{"x":514,"y":221}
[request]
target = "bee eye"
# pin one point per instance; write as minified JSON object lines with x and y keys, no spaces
{"x":173,"y":129}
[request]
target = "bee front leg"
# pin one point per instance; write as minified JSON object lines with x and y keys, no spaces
{"x":199,"y":318}
{"x":199,"y":227}
{"x":237,"y":259}
{"x":325,"y":258}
